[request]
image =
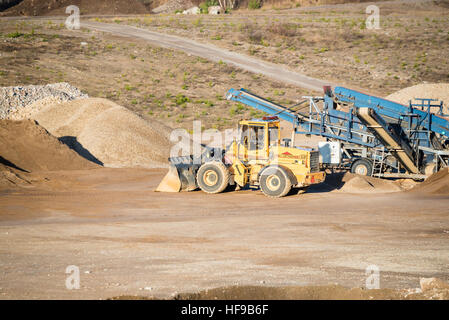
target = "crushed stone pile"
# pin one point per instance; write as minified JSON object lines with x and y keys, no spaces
{"x":172,"y":5}
{"x":438,"y":91}
{"x":28,"y":147}
{"x":437,"y":184}
{"x":27,"y":111}
{"x":13,"y":99}
{"x":106,"y":133}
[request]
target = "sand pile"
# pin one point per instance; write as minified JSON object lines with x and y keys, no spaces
{"x":354,"y":183}
{"x":438,"y":91}
{"x":106,"y":133}
{"x":438,"y":183}
{"x":10,"y":177}
{"x":26,"y":146}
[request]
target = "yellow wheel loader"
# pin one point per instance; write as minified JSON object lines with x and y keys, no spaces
{"x":257,"y":158}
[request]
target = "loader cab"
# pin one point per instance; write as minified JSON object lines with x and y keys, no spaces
{"x":257,"y":136}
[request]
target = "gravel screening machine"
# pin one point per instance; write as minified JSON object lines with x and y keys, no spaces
{"x":366,"y":134}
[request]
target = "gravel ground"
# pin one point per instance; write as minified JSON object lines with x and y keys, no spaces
{"x":14,"y":98}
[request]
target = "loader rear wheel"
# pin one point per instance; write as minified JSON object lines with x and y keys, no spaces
{"x":213,"y":177}
{"x":275,"y":182}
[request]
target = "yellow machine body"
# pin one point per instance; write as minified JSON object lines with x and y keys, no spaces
{"x":256,"y":158}
{"x":259,"y":146}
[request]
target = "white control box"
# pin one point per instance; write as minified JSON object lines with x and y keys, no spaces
{"x":330,"y":152}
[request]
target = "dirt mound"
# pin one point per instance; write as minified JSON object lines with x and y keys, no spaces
{"x":353,"y":183}
{"x":438,"y":184}
{"x":58,"y":7}
{"x":431,"y":289}
{"x":329,"y":292}
{"x":107,"y":133}
{"x":10,"y":177}
{"x":438,"y":91}
{"x":5,"y":4}
{"x":26,"y":146}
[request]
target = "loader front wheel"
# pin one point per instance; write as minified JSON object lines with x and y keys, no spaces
{"x":275,"y":182}
{"x":213,"y":177}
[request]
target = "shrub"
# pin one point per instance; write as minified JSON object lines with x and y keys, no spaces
{"x":198,"y":22}
{"x":254,"y":4}
{"x":284,"y":29}
{"x":181,"y":99}
{"x":16,"y":34}
{"x":204,"y":7}
{"x":253,"y":33}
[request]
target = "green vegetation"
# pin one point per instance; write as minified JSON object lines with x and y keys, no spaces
{"x":16,"y":34}
{"x":236,"y":109}
{"x":204,"y":7}
{"x":198,"y":22}
{"x":181,"y":99}
{"x":254,"y":4}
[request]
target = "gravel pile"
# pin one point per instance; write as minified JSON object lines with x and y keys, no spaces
{"x":173,"y":5}
{"x":12,"y":99}
{"x":438,"y":91}
{"x":106,"y":133}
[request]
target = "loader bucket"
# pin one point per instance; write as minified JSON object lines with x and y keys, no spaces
{"x":180,"y":177}
{"x":170,"y":182}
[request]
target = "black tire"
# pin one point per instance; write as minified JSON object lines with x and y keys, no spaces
{"x":274,"y":182}
{"x":213,"y":177}
{"x":362,"y":167}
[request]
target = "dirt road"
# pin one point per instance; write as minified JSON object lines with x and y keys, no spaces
{"x":212,"y":53}
{"x":206,"y":51}
{"x":128,"y":240}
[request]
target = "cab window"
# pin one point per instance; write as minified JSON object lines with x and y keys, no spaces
{"x":256,"y":137}
{"x":273,"y":136}
{"x":244,"y":134}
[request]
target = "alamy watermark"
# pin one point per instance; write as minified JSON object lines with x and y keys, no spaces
{"x":73,"y":21}
{"x":373,"y":19}
{"x":373,"y":277}
{"x":208,"y":145}
{"x":72,"y":282}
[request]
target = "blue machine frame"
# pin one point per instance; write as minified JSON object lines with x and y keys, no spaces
{"x":417,"y":120}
